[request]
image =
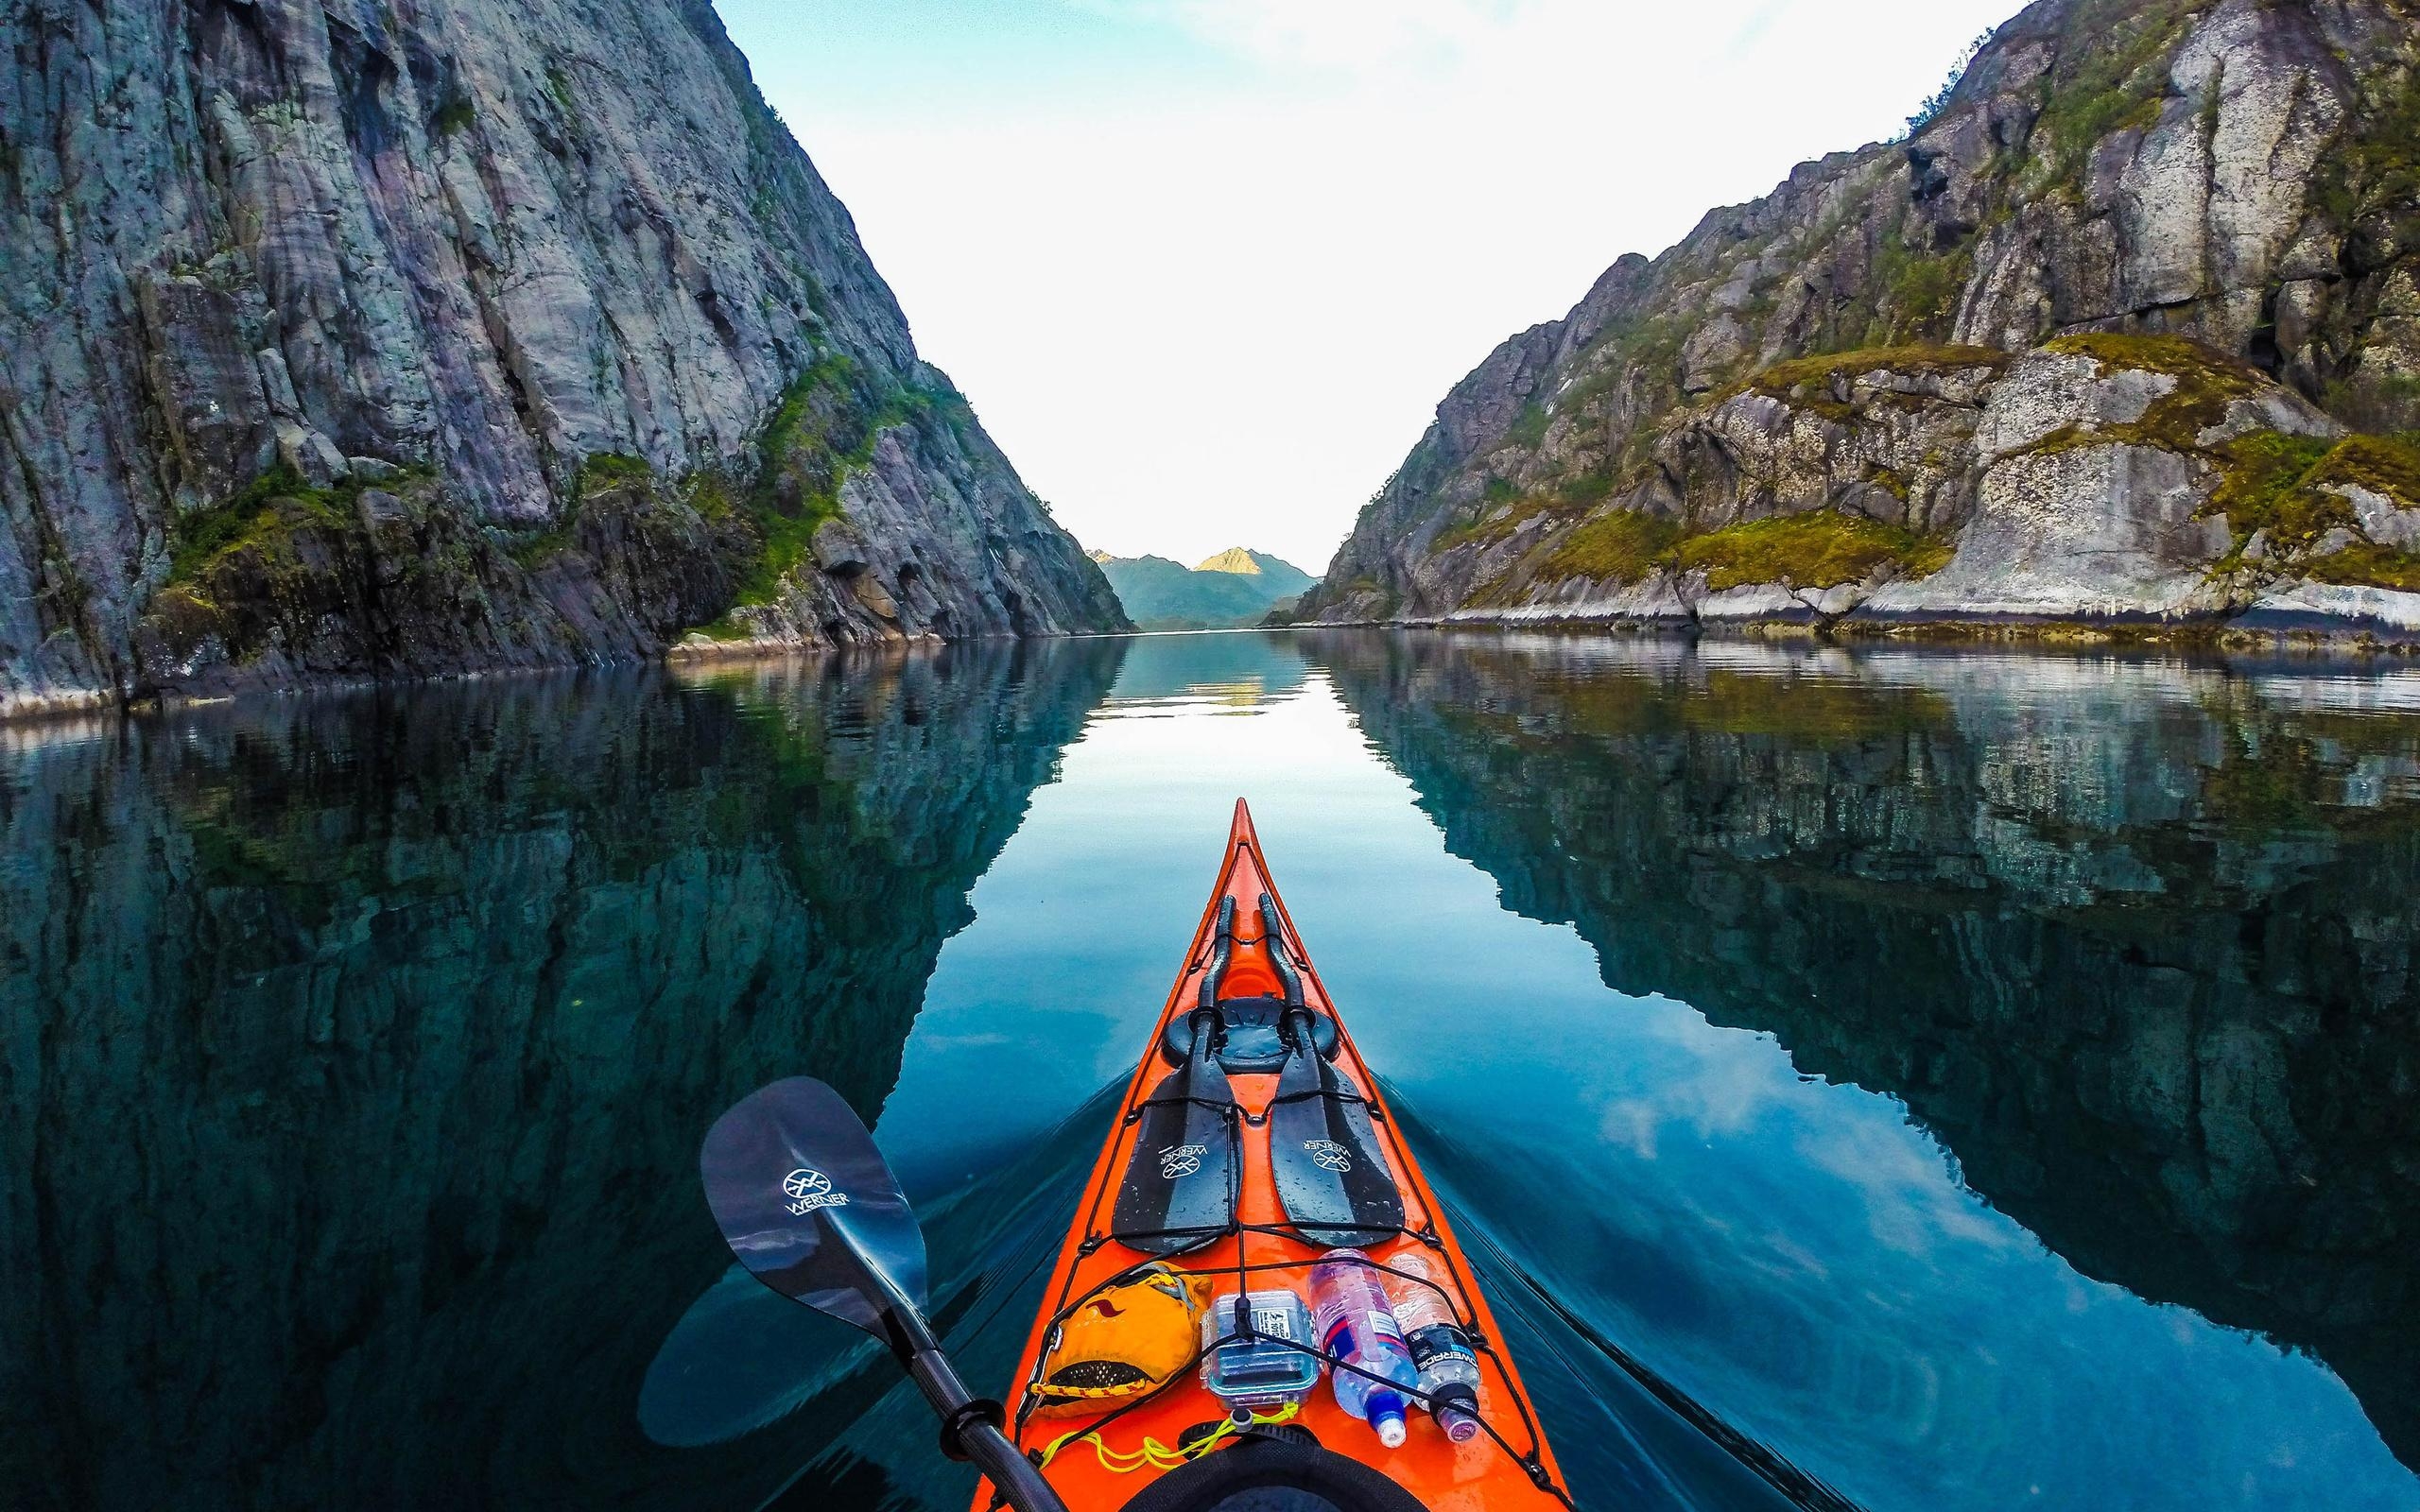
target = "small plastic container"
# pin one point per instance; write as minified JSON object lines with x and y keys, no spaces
{"x":1256,"y":1372}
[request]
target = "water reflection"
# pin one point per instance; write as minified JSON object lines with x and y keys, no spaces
{"x":353,"y":1053}
{"x":1970,"y":1080}
{"x":2133,"y":940}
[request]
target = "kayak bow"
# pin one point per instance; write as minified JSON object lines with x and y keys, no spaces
{"x":1295,"y":1079}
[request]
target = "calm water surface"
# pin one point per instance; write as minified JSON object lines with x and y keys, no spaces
{"x":1957,"y":1081}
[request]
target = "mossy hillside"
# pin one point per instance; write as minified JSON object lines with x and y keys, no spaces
{"x":1491,"y":522}
{"x":1916,"y":291}
{"x":2116,"y":82}
{"x":259,"y":566}
{"x":1821,"y":548}
{"x":2386,"y":465}
{"x":1621,"y":547}
{"x":597,"y":474}
{"x":2207,"y":380}
{"x":1818,"y":548}
{"x":264,"y":515}
{"x":2369,"y":183}
{"x":2367,"y":564}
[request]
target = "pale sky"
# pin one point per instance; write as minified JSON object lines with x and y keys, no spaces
{"x":1207,"y":266}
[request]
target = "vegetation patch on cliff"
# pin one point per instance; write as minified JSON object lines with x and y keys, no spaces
{"x":2116,"y":84}
{"x":263,"y":517}
{"x":2207,"y":381}
{"x":2385,"y":465}
{"x":1621,"y":546}
{"x":1811,"y":379}
{"x":824,"y":427}
{"x":1821,"y":548}
{"x":597,"y":474}
{"x":2367,"y":564}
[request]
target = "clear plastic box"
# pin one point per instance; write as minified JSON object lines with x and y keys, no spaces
{"x":1257,"y":1373}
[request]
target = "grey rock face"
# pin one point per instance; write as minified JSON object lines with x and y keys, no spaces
{"x":486,"y":243}
{"x":2234,"y":172}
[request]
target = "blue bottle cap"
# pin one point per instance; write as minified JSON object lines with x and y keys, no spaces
{"x":1386,"y":1415}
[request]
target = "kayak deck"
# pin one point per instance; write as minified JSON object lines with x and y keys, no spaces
{"x":1508,"y":1466}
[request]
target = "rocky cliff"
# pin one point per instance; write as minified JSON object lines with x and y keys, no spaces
{"x":2127,"y":329}
{"x":370,"y":339}
{"x":2158,"y":997}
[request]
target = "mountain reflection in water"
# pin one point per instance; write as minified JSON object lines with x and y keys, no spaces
{"x":2133,"y":940}
{"x":1970,"y":1079}
{"x":355,"y":1051}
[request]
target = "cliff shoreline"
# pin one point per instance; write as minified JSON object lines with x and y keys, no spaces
{"x":368,"y":342}
{"x":2128,"y":327}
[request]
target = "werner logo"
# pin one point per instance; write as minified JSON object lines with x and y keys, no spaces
{"x":1181,"y":1160}
{"x":1329,"y":1156}
{"x":809,"y":1189}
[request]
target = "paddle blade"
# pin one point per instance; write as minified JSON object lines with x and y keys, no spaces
{"x":1182,"y":1177}
{"x":805,"y":1201}
{"x":1332,"y":1180}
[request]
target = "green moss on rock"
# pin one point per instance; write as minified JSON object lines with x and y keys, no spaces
{"x":2268,"y":489}
{"x":263,"y":517}
{"x":2385,"y":465}
{"x":1621,"y":546}
{"x":824,"y":427}
{"x":1809,"y":380}
{"x":1822,"y":548}
{"x":2367,"y":564}
{"x":608,"y":469}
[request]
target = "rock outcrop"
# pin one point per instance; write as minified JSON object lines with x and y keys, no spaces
{"x":2128,"y":329}
{"x":360,"y":340}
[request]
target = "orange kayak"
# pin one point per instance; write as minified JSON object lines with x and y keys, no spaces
{"x":1170,"y":1445}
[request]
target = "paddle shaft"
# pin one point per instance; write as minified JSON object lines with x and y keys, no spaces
{"x":970,"y":1424}
{"x":967,"y":1428}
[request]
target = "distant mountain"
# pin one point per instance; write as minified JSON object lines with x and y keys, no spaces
{"x":1234,"y":588}
{"x":1283,"y":576}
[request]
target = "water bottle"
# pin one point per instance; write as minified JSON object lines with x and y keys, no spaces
{"x":1440,"y":1350}
{"x":1355,"y":1325}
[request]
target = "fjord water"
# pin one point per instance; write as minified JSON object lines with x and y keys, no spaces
{"x":1953,"y":1080}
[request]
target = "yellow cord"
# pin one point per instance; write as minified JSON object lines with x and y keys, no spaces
{"x":1154,"y":1455}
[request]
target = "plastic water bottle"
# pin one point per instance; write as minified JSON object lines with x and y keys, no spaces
{"x":1355,"y":1325}
{"x":1440,"y":1350}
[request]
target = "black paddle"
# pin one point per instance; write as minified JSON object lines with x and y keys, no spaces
{"x":1331,"y":1179}
{"x":807,"y":1203}
{"x":1182,"y":1181}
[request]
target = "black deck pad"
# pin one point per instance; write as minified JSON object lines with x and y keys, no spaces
{"x":1249,"y":1042}
{"x":1331,"y":1179}
{"x":1183,"y":1178}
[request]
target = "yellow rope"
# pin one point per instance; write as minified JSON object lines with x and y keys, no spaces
{"x":1154,"y":1455}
